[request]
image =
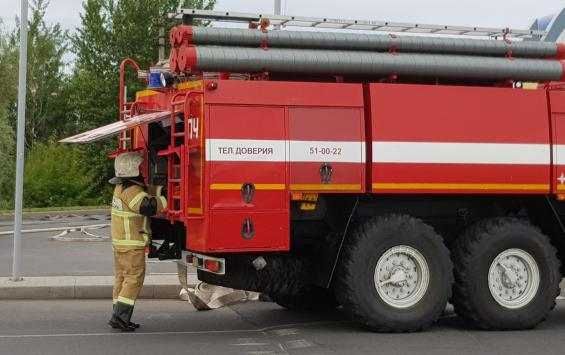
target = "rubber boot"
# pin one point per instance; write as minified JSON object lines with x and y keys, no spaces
{"x":163,"y":250}
{"x":123,"y":314}
{"x":132,"y":324}
{"x":152,"y":251}
{"x":113,"y":322}
{"x":172,"y":252}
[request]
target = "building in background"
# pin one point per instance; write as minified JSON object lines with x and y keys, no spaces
{"x":553,"y":24}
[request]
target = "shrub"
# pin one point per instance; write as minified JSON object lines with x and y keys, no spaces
{"x":54,"y":178}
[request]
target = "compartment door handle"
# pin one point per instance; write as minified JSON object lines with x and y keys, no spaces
{"x":326,"y":172}
{"x":247,"y":230}
{"x":248,"y":192}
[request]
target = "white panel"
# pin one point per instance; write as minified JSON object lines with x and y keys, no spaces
{"x":320,"y":151}
{"x":274,"y":150}
{"x":246,"y":150}
{"x":559,"y":154}
{"x":461,"y":153}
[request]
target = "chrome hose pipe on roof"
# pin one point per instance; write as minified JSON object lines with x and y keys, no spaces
{"x":354,"y":41}
{"x":311,"y":61}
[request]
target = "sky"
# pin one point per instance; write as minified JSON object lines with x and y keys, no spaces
{"x":518,"y":14}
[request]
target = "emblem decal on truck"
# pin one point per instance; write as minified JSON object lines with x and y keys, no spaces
{"x":561,"y":179}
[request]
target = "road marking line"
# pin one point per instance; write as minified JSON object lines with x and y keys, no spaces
{"x":59,"y":229}
{"x":283,"y":349}
{"x":285,"y":332}
{"x":197,"y":332}
{"x":299,"y":344}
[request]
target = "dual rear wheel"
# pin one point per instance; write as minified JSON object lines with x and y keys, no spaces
{"x":507,"y":275}
{"x":396,"y":274}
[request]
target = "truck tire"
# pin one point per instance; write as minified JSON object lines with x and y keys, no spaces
{"x":308,"y":298}
{"x":507,"y":275}
{"x":394,"y":275}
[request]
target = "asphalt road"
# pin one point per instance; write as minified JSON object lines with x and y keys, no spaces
{"x":42,"y":257}
{"x":174,"y":327}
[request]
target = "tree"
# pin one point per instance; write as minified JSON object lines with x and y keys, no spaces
{"x":111,"y":31}
{"x":46,"y":102}
{"x":8,"y":78}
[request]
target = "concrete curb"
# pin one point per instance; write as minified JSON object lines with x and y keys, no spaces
{"x":86,"y":287}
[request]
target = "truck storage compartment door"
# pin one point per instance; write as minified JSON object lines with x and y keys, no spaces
{"x":557,"y":102}
{"x":247,"y":178}
{"x":454,"y":139}
{"x":327,"y":149}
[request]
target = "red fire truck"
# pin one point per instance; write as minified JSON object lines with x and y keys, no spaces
{"x":386,"y":174}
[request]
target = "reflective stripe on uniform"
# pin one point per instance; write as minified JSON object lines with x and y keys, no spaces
{"x":163,"y":201}
{"x":125,"y":214}
{"x":130,"y":242}
{"x":144,"y":226}
{"x":127,"y":231}
{"x":126,"y":300}
{"x":126,"y":217}
{"x":137,"y":199}
{"x":144,"y":231}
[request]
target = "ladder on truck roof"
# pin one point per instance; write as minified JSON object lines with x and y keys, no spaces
{"x":187,"y":15}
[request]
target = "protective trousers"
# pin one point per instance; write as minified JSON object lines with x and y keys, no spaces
{"x":129,"y":267}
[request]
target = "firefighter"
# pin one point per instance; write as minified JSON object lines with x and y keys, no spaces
{"x":133,"y":202}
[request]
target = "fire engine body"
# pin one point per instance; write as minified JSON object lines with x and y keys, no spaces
{"x":258,"y":145}
{"x":315,"y":184}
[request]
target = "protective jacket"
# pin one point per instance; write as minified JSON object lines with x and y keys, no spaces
{"x":131,"y":205}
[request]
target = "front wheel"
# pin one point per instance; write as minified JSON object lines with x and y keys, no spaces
{"x":395,"y":274}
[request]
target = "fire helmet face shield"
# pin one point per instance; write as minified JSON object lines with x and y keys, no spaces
{"x":127,"y":165}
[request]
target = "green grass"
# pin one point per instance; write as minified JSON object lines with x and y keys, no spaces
{"x":55,"y":209}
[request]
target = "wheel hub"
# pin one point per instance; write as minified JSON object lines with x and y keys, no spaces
{"x":398,"y":277}
{"x":513,"y":278}
{"x":508,"y":277}
{"x":401,"y":276}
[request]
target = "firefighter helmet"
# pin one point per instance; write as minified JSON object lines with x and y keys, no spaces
{"x":127,"y":165}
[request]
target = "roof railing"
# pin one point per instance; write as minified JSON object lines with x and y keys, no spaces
{"x":189,"y":15}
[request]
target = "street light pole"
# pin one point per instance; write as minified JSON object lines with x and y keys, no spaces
{"x":20,"y":150}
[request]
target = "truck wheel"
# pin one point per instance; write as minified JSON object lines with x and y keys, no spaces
{"x":308,"y":298}
{"x":395,"y":274}
{"x":506,"y":275}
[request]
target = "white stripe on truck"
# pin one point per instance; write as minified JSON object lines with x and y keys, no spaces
{"x":461,"y":153}
{"x":249,"y":150}
{"x":255,"y":150}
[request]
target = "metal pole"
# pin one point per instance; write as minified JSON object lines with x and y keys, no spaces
{"x":161,"y":43}
{"x":278,"y":10}
{"x":20,"y":150}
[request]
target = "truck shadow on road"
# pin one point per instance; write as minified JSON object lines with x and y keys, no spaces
{"x":338,"y":320}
